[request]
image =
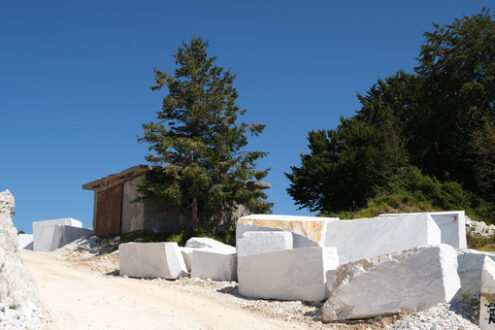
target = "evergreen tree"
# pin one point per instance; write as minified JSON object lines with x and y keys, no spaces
{"x":197,"y":142}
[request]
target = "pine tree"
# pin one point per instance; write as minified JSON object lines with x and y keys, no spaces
{"x":197,"y":142}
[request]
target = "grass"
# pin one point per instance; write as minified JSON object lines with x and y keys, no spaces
{"x":486,"y":244}
{"x":14,"y":306}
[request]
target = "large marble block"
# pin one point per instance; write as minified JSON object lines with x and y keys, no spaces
{"x":149,"y":260}
{"x":296,"y":274}
{"x":405,"y":281}
{"x":487,"y":297}
{"x":25,"y":241}
{"x":369,"y":237}
{"x":452,"y":225}
{"x":306,"y":231}
{"x":48,"y":234}
{"x":216,"y":265}
{"x":258,"y":242}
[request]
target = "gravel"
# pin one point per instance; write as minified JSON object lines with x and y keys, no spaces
{"x":435,"y":318}
{"x":23,"y":316}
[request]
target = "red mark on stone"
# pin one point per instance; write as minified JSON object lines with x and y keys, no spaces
{"x":455,"y":218}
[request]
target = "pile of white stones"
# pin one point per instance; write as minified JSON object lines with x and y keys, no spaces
{"x":390,"y":264}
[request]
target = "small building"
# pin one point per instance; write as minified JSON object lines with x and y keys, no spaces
{"x":115,"y":210}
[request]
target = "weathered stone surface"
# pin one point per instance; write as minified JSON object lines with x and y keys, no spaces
{"x":25,"y":241}
{"x":487,"y":298}
{"x":150,"y":260}
{"x":452,"y":225}
{"x":470,"y":267}
{"x":258,"y":242}
{"x":406,"y":281}
{"x":306,"y":231}
{"x":46,"y":234}
{"x":16,"y":282}
{"x":217,"y":265}
{"x":205,"y":242}
{"x":369,"y":237}
{"x":296,"y":274}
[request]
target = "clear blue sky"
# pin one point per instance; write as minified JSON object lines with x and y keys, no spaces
{"x":75,"y":78}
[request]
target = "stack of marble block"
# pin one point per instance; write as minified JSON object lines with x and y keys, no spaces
{"x":201,"y":258}
{"x":49,"y":235}
{"x":385,"y":259}
{"x":297,"y":258}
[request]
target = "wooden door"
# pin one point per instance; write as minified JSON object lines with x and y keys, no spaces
{"x":109,"y":211}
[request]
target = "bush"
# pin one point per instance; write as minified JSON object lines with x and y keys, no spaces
{"x":411,"y":191}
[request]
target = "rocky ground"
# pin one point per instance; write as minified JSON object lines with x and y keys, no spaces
{"x":479,"y":228}
{"x":101,"y":256}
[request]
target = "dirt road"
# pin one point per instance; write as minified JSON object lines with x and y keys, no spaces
{"x":78,"y":298}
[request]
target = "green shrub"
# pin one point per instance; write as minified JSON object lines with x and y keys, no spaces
{"x":411,"y":191}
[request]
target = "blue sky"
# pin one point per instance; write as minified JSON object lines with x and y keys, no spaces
{"x":75,"y":78}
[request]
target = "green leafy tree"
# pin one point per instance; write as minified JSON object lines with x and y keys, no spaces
{"x":343,"y":166}
{"x":198,"y":141}
{"x":457,"y":63}
{"x":439,"y":119}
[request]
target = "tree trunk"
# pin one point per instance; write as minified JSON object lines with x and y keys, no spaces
{"x":194,"y":207}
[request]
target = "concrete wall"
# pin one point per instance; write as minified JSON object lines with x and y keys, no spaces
{"x":132,"y":213}
{"x":155,"y":217}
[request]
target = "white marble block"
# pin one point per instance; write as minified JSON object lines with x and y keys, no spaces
{"x":452,"y":225}
{"x":296,"y":274}
{"x":306,"y":231}
{"x":406,"y":281}
{"x":205,"y":242}
{"x":217,"y":265}
{"x":369,"y":237}
{"x":46,"y":233}
{"x":487,"y":297}
{"x":25,"y":241}
{"x":470,"y":267}
{"x":258,"y":242}
{"x":149,"y":260}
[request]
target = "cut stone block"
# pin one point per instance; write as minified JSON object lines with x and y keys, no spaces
{"x":44,"y":233}
{"x":25,"y":241}
{"x":67,"y":234}
{"x":306,"y":231}
{"x":205,"y":242}
{"x":297,"y":274}
{"x":149,"y":260}
{"x":487,"y":298}
{"x":258,"y":242}
{"x":470,"y":267}
{"x":406,"y":281}
{"x":369,"y":237}
{"x":187,"y":255}
{"x":214,"y":264}
{"x":452,"y":225}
